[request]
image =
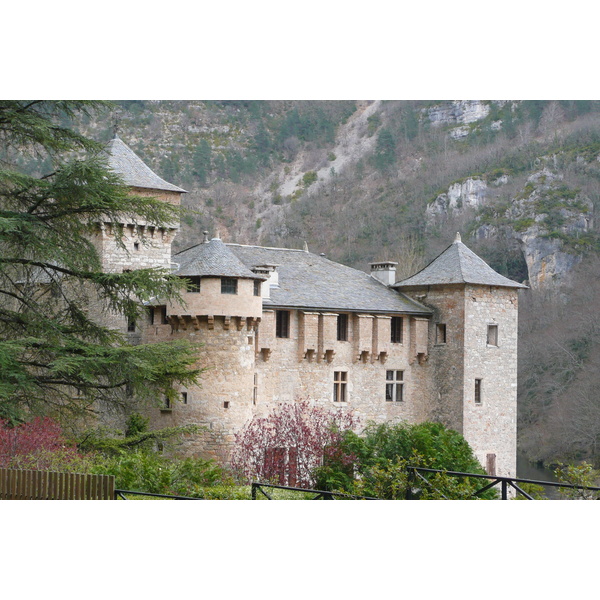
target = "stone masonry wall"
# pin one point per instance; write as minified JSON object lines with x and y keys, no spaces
{"x":491,"y":425}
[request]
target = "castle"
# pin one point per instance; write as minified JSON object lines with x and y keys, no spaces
{"x":279,"y":325}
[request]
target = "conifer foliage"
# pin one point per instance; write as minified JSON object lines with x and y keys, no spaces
{"x":53,"y":355}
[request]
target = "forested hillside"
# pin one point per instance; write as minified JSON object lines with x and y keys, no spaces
{"x":370,"y":180}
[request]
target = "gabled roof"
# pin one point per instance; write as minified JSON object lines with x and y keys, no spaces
{"x":211,"y":259}
{"x":457,"y":264}
{"x":135,"y":173}
{"x":312,"y":282}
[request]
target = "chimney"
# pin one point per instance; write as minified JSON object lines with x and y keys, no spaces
{"x":269,"y":271}
{"x":384,"y":272}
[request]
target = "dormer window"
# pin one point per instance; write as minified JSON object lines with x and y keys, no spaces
{"x":228,"y":285}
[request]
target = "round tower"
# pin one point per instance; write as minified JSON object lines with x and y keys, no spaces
{"x":220,"y":312}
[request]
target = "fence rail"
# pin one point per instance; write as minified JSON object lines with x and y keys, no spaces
{"x":418,"y":479}
{"x":21,"y":484}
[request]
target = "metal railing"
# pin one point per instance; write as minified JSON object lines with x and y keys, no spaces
{"x":120,"y":495}
{"x":319,"y":494}
{"x":505,"y":484}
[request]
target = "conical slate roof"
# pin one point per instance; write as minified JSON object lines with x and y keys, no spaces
{"x":212,"y":259}
{"x":135,"y":173}
{"x":457,"y":264}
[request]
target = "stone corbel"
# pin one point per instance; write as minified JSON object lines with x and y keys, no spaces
{"x":211,"y":321}
{"x":182,"y":322}
{"x":226,"y":323}
{"x":328,"y":355}
{"x":240,"y":323}
{"x":196,"y":323}
{"x":266,"y":353}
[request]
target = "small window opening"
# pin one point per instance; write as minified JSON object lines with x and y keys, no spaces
{"x":441,"y":333}
{"x":342,"y":328}
{"x":394,"y":387}
{"x":492,"y":335}
{"x":396,"y":337}
{"x":478,"y":386}
{"x":193,"y":285}
{"x":340,"y":379}
{"x":136,"y":245}
{"x":257,"y":286}
{"x":131,"y":325}
{"x":228,"y":285}
{"x":226,"y":404}
{"x":184,"y":397}
{"x":282,"y":324}
{"x":163,"y":315}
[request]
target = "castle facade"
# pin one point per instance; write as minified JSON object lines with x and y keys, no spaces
{"x":277,"y":325}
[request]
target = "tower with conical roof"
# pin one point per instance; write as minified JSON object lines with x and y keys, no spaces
{"x":471,"y":369}
{"x":144,"y":245}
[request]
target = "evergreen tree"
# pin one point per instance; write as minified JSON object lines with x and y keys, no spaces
{"x":202,"y":162}
{"x":385,"y":150}
{"x":54,"y":356}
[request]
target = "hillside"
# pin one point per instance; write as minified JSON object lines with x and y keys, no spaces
{"x":373,"y":180}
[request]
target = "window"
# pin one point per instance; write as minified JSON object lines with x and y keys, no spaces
{"x":226,"y":404}
{"x":282,"y":324}
{"x":340,"y":379}
{"x":136,"y":245}
{"x":257,"y":287}
{"x":342,"y":328}
{"x":131,"y":324}
{"x":228,"y":285}
{"x":166,"y":404}
{"x":440,"y":335}
{"x":394,"y":386}
{"x":151,"y":315}
{"x":396,"y":330}
{"x":478,"y":386}
{"x":492,"y":335}
{"x":184,"y":397}
{"x":163,"y":315}
{"x":193,"y":285}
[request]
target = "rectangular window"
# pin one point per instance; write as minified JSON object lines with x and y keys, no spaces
{"x":151,"y":315}
{"x":136,"y":245}
{"x":342,"y":328}
{"x":193,"y":284}
{"x":257,"y":286}
{"x":492,"y":335}
{"x":282,"y":324}
{"x":184,"y":397}
{"x":228,"y":285}
{"x":340,"y":379}
{"x":394,"y":386}
{"x":166,"y":404}
{"x":440,"y":334}
{"x":478,"y":386}
{"x":163,"y":315}
{"x":396,"y":330}
{"x":131,"y":325}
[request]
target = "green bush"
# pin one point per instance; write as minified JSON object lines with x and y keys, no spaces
{"x":376,"y":463}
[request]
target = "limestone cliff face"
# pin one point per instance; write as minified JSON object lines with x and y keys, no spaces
{"x":547,"y":218}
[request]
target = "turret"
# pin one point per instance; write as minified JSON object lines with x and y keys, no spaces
{"x":472,"y":364}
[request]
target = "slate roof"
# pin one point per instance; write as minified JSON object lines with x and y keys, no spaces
{"x":135,"y":173}
{"x":457,"y":264}
{"x":313,"y":282}
{"x":211,"y":259}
